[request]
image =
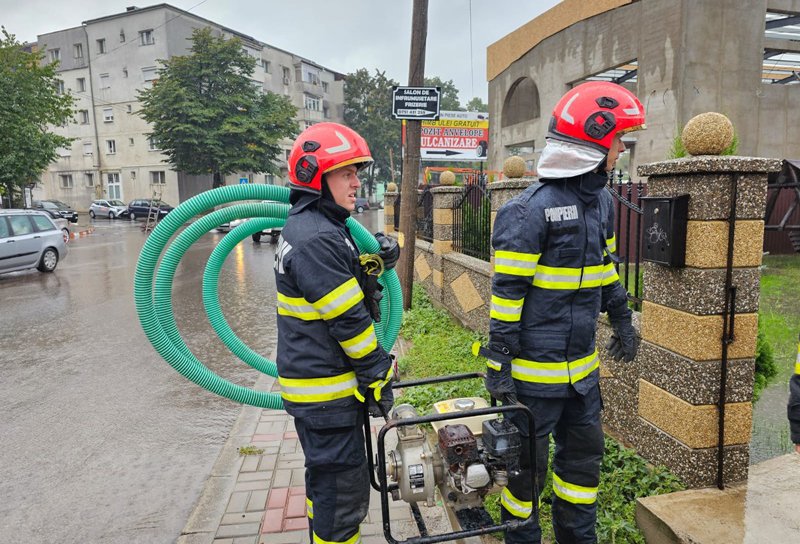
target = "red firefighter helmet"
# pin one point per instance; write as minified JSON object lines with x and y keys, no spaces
{"x":594,"y":112}
{"x":321,"y":148}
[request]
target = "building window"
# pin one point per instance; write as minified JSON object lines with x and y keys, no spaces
{"x":105,"y":81}
{"x":54,"y":55}
{"x":59,"y":86}
{"x":77,"y":50}
{"x":121,"y":36}
{"x":286,"y":75}
{"x":124,"y":72}
{"x":83,"y":117}
{"x":101,"y":46}
{"x":152,"y":144}
{"x":64,"y":151}
{"x":326,"y":112}
{"x":81,"y":84}
{"x":146,"y":37}
{"x":311,"y":102}
{"x":111,"y":147}
{"x":87,"y":148}
{"x":130,"y":141}
{"x":88,"y":179}
{"x":307,"y":124}
{"x":130,"y":108}
{"x":65,"y":181}
{"x":267,"y":66}
{"x":149,"y":75}
{"x":324,"y":86}
{"x":108,"y":115}
{"x":158,"y":177}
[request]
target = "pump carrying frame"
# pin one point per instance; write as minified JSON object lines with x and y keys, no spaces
{"x":384,"y":488}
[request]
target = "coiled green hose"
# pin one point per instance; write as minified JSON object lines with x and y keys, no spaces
{"x":154,"y":306}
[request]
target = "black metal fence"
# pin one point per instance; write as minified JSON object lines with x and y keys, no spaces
{"x":472,"y":228}
{"x":425,"y":216}
{"x":627,"y":196}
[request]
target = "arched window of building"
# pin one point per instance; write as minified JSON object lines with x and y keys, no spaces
{"x":521,"y":103}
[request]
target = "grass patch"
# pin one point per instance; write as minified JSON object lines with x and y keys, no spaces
{"x":441,"y":347}
{"x":250,"y":450}
{"x":779,"y":313}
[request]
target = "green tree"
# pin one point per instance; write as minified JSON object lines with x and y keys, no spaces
{"x":449,"y":99}
{"x":207,"y":115}
{"x":368,"y":111}
{"x":30,"y":104}
{"x":476,"y":104}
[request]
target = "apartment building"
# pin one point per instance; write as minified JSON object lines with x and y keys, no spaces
{"x":104,"y":62}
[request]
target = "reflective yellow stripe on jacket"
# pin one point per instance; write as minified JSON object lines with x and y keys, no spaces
{"x":609,"y":274}
{"x":318,"y":389}
{"x":797,"y":361}
{"x":611,"y":244}
{"x":506,"y":309}
{"x":362,"y":344}
{"x":576,"y":494}
{"x":339,"y":300}
{"x":297,"y":307}
{"x":554,"y":372}
{"x":514,"y":506}
{"x":355,"y":539}
{"x":309,"y":508}
{"x":516,"y":264}
{"x":556,"y":277}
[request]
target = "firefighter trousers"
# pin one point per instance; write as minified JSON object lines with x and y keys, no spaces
{"x":337,"y":476}
{"x":574,"y":423}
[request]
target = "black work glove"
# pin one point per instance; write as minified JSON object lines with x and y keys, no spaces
{"x":624,"y":342}
{"x":381,"y":408}
{"x":390,"y":250}
{"x":499,"y":381}
{"x":373,"y":293}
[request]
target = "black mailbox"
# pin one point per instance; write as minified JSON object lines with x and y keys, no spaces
{"x":664,"y":229}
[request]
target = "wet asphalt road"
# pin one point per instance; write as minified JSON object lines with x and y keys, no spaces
{"x":102,"y":441}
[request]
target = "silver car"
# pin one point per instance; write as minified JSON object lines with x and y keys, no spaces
{"x":29,"y":239}
{"x":108,"y":208}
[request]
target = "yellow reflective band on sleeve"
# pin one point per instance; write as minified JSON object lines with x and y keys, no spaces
{"x":554,"y":277}
{"x":318,"y":389}
{"x":583,"y":367}
{"x":514,"y":506}
{"x":516,"y":264}
{"x":362,"y":344}
{"x":506,"y":309}
{"x":576,"y":494}
{"x":339,"y":300}
{"x":539,"y":372}
{"x":611,"y":244}
{"x":494,"y":365}
{"x":309,"y":508}
{"x":297,"y":307}
{"x":355,"y":539}
{"x":554,"y":372}
{"x":609,"y":274}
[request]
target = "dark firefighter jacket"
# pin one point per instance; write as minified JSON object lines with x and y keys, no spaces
{"x":552,"y":274}
{"x":794,"y":401}
{"x":328,"y":354}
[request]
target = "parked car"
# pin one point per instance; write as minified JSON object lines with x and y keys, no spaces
{"x":141,"y":207}
{"x":361,"y":205}
{"x":29,"y":239}
{"x":108,"y":208}
{"x":64,"y":209}
{"x":60,"y":222}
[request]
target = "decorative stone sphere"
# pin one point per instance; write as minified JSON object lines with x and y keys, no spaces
{"x":391,"y":187}
{"x":447,"y":178}
{"x":707,"y":134}
{"x":514,"y":167}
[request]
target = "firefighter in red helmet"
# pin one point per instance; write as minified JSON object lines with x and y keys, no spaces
{"x":329,"y":360}
{"x":553,"y":273}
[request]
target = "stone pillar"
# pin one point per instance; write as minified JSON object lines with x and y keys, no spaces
{"x":503,"y":191}
{"x":389,"y":209}
{"x":666,"y":401}
{"x":445,"y":197}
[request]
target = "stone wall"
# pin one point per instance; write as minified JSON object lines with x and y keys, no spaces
{"x":664,"y":403}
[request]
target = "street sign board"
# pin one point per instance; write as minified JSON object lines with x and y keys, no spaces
{"x":455,"y":136}
{"x":242,"y":181}
{"x":415,"y":103}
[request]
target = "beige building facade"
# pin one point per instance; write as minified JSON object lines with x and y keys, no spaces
{"x":106,"y":61}
{"x":681,"y":57}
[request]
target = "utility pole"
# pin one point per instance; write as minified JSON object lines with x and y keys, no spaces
{"x":408,"y":187}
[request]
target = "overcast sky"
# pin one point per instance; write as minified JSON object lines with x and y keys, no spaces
{"x":343,"y":35}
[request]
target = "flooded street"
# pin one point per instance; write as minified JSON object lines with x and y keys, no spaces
{"x":102,"y":440}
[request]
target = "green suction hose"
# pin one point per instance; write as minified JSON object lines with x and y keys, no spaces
{"x":154,"y":307}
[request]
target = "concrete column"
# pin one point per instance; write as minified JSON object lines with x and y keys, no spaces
{"x":665,"y":402}
{"x":445,"y":197}
{"x":503,"y":191}
{"x":389,"y":206}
